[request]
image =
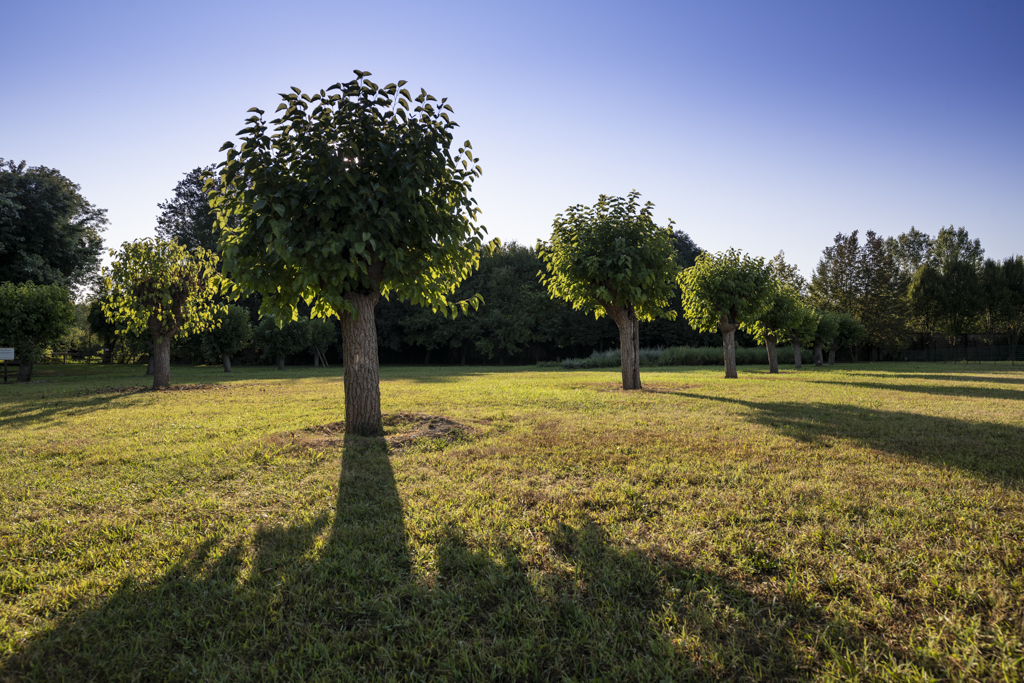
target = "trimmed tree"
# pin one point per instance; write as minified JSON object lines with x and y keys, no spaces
{"x":824,"y":334}
{"x":612,"y":259}
{"x":775,"y":322}
{"x":277,"y":340}
{"x":722,"y":291}
{"x":355,"y":194}
{"x":33,"y":317}
{"x":849,"y":332}
{"x":163,"y":289}
{"x":232,"y":333}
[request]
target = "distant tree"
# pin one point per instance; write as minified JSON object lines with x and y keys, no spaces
{"x":802,"y":331}
{"x":49,"y":232}
{"x":775,"y":322}
{"x":836,"y":282}
{"x":231,"y":333}
{"x":954,"y":244}
{"x":910,"y":251}
{"x":186,"y":217}
{"x":33,"y":317}
{"x":163,"y":289}
{"x":1013,"y":281}
{"x":825,"y":333}
{"x":104,"y":328}
{"x":321,"y":335}
{"x":612,"y":259}
{"x":850,"y":333}
{"x":882,"y":305}
{"x":788,"y":274}
{"x":354,"y":195}
{"x":722,"y":291}
{"x":279,"y":340}
{"x":687,"y":250}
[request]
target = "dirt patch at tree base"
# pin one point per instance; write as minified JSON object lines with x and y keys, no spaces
{"x":400,"y":430}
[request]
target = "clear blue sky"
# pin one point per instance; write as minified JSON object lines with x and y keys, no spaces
{"x":761,"y":125}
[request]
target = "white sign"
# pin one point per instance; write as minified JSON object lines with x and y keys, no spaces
{"x":6,"y":354}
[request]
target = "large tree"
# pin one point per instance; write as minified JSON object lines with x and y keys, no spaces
{"x":722,"y":291}
{"x":836,"y":284}
{"x":49,"y":232}
{"x":163,"y":289}
{"x":186,"y":217}
{"x":612,"y":259}
{"x":31,"y":318}
{"x":882,"y":305}
{"x":354,"y":193}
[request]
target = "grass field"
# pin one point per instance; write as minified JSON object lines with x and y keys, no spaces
{"x":863,"y":522}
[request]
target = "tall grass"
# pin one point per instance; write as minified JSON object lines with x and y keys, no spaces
{"x":685,"y":355}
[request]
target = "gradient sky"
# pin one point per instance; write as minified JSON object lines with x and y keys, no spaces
{"x":758,"y":125}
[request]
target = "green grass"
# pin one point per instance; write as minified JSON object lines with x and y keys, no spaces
{"x":860,"y":522}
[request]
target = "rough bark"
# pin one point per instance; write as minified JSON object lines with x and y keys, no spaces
{"x":773,"y":356}
{"x":729,"y":345}
{"x":362,"y":367}
{"x":280,"y":361}
{"x":227,"y":363}
{"x":797,"y":360}
{"x":316,"y":358}
{"x":162,"y":362}
{"x":629,"y":344}
{"x":25,"y":370}
{"x":818,"y":356}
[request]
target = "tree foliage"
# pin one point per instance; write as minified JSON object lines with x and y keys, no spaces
{"x":187,"y":217}
{"x":230,"y":333}
{"x":33,"y":317}
{"x":49,"y":232}
{"x":278,"y":339}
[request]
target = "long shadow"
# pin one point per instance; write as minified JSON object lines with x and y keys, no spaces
{"x":323,"y":600}
{"x":966,"y":375}
{"x":990,"y":450}
{"x":48,"y":409}
{"x":963,"y":390}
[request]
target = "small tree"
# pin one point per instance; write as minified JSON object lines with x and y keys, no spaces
{"x":612,"y":259}
{"x":321,"y":335}
{"x":775,"y":322}
{"x":824,"y":334}
{"x":163,"y":289}
{"x":104,"y":328}
{"x":278,"y":341}
{"x":356,"y":194}
{"x":849,"y":332}
{"x":724,"y":290}
{"x":803,"y":331}
{"x":31,"y":318}
{"x":232,"y":333}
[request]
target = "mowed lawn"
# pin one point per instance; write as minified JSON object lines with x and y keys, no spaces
{"x":859,"y":522}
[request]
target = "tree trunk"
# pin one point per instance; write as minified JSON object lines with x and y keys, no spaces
{"x":280,"y":361}
{"x":161,"y":362}
{"x":25,"y":370}
{"x":773,"y":356}
{"x":227,"y":363}
{"x":362,"y":367}
{"x":629,"y":345}
{"x":316,"y":358}
{"x":149,"y":364}
{"x":729,"y":345}
{"x":107,"y":353}
{"x":464,"y":345}
{"x":797,"y":360}
{"x":818,"y":356}
{"x":832,"y":354}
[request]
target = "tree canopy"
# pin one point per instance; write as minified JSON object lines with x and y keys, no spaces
{"x":187,"y":217}
{"x":49,"y":232}
{"x":613,"y":259}
{"x":33,"y":317}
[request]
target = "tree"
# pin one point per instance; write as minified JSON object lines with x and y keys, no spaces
{"x":836,"y":281}
{"x":849,"y":332}
{"x":825,"y":334}
{"x":278,"y":340}
{"x":49,"y":233}
{"x":776,"y":320}
{"x":163,"y":289}
{"x":612,"y":259}
{"x":954,"y":244}
{"x":34,"y":316}
{"x":788,"y":274}
{"x":104,"y":328}
{"x":231,"y":333}
{"x":803,"y":330}
{"x":726,"y":290}
{"x":354,"y":195}
{"x":1013,"y":278}
{"x":910,"y":251}
{"x":321,"y":335}
{"x":882,"y":305}
{"x":186,"y":217}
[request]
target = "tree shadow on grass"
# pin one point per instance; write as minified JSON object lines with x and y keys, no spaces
{"x":964,"y":390}
{"x":990,"y":450}
{"x":965,"y":375}
{"x":318,"y":600}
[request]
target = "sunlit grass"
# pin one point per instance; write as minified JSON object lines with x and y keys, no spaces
{"x":859,"y":521}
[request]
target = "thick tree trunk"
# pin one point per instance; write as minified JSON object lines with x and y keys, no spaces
{"x":832,"y":354}
{"x":280,"y":361}
{"x":25,"y":370}
{"x":773,"y":356}
{"x":161,"y":362}
{"x":729,"y":345}
{"x":629,"y":345}
{"x":818,"y":357}
{"x":362,"y":367}
{"x":797,"y":360}
{"x":227,"y":363}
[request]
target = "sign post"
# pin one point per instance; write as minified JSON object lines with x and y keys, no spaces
{"x":6,"y":354}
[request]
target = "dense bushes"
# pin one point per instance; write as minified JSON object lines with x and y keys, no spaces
{"x":680,"y":355}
